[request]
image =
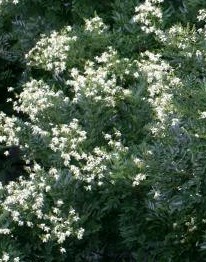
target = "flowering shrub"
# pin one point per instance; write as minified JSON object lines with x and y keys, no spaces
{"x":112,"y":147}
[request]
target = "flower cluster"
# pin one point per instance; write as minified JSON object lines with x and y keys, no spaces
{"x":91,"y":167}
{"x":66,"y":139}
{"x":98,"y":84}
{"x":201,"y":15}
{"x":51,"y":52}
{"x":36,"y":97}
{"x":95,"y":25}
{"x":180,"y":38}
{"x":203,"y":115}
{"x":94,"y":170}
{"x":27,"y":205}
{"x":138,"y":178}
{"x":7,"y":258}
{"x":160,"y":80}
{"x":9,"y":1}
{"x":149,"y":16}
{"x":9,"y":130}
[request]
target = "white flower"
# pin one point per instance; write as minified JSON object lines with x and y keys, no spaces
{"x":139,"y":162}
{"x":80,"y":233}
{"x":6,"y":153}
{"x":157,"y":194}
{"x":10,"y":89}
{"x":203,"y":115}
{"x":5,"y":257}
{"x":5,"y":231}
{"x":146,"y":13}
{"x":51,"y":52}
{"x":35,"y":98}
{"x":62,"y":250}
{"x":138,"y":178}
{"x":201,"y":15}
{"x":95,"y":25}
{"x":59,"y":202}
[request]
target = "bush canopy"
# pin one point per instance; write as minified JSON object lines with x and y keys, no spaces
{"x":102,"y":130}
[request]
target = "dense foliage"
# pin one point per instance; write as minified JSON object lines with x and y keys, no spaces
{"x":103,"y":132}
